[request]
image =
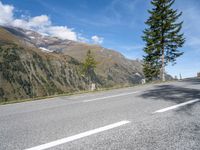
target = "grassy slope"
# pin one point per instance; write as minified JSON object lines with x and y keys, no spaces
{"x":111,"y":65}
{"x":27,"y":72}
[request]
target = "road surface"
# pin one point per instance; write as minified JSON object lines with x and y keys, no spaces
{"x":161,"y":116}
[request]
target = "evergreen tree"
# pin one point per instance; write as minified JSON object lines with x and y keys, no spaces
{"x":162,"y":38}
{"x":89,"y":65}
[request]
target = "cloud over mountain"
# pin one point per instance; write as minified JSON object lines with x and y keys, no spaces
{"x":6,"y":14}
{"x":97,"y":39}
{"x":40,"y":23}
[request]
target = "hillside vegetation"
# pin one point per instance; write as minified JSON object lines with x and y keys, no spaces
{"x":26,"y":71}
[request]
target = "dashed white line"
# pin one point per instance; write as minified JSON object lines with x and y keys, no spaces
{"x":100,"y":98}
{"x":78,"y":136}
{"x":177,"y":106}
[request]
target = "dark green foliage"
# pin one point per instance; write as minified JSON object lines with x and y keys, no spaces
{"x":10,"y":63}
{"x":59,"y":80}
{"x":162,"y":38}
{"x":110,"y":77}
{"x":74,"y":61}
{"x":38,"y":59}
{"x":151,"y":71}
{"x":1,"y":92}
{"x":62,"y":70}
{"x":1,"y":66}
{"x":27,"y":87}
{"x":89,"y":65}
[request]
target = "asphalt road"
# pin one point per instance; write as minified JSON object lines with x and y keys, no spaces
{"x":163,"y":116}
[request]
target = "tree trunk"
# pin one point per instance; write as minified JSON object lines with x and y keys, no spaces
{"x":163,"y":54}
{"x":163,"y":66}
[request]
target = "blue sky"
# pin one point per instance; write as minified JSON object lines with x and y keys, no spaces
{"x":115,"y":24}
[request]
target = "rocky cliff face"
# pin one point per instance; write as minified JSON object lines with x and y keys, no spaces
{"x":28,"y":73}
{"x":35,"y":65}
{"x":111,"y":64}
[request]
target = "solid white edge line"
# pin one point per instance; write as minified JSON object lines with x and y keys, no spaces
{"x":100,"y":98}
{"x":177,"y":106}
{"x":78,"y":136}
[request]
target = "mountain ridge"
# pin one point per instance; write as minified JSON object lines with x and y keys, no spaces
{"x":34,"y":65}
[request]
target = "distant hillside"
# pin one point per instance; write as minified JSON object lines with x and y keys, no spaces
{"x":111,"y":64}
{"x":27,"y":73}
{"x":36,"y":65}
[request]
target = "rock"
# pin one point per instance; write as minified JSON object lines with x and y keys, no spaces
{"x":27,"y":71}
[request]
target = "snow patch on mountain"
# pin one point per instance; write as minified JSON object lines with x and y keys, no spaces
{"x":45,"y":50}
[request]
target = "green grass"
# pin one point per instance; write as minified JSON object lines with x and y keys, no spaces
{"x":81,"y":92}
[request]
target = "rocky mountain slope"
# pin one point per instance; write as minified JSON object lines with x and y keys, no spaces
{"x":36,"y":65}
{"x":111,"y":64}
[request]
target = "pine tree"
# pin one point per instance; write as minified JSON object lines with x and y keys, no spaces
{"x":162,"y":38}
{"x":89,"y":65}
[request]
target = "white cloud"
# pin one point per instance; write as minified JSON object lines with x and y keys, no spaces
{"x":19,"y":23}
{"x":97,"y":39}
{"x":41,"y":24}
{"x":6,"y":14}
{"x":40,"y":20}
{"x":32,"y":23}
{"x":62,"y":32}
{"x":81,"y":38}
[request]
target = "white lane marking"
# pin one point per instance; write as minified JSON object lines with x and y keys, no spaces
{"x":100,"y":98}
{"x":78,"y":136}
{"x":177,"y":106}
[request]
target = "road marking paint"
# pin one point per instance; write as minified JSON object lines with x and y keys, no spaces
{"x":78,"y":136}
{"x":177,"y":106}
{"x":100,"y":98}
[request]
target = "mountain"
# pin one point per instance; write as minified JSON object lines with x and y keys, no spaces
{"x":32,"y":64}
{"x":111,"y":64}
